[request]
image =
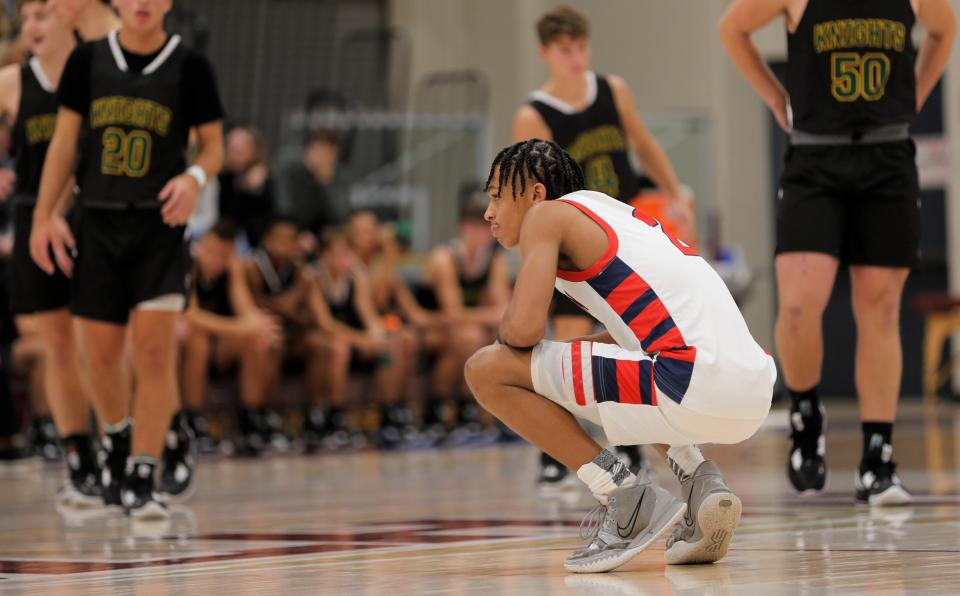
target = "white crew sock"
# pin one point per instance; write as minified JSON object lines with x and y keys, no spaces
{"x":605,"y":474}
{"x":684,"y":460}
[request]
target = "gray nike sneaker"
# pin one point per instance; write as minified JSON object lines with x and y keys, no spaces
{"x":713,"y":513}
{"x":634,"y":517}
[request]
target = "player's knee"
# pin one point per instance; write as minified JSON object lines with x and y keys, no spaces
{"x":60,"y":347}
{"x":881,"y":308}
{"x":153,"y":358}
{"x":337,"y":350}
{"x":480,"y":370}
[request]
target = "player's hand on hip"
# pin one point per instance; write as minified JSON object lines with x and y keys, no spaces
{"x":53,"y":235}
{"x":180,"y":197}
{"x":8,"y":179}
{"x":778,"y":107}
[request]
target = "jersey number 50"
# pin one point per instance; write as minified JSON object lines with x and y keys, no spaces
{"x":126,"y":154}
{"x":855,"y":75}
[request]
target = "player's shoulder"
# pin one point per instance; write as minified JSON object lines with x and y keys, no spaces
{"x":10,"y":75}
{"x":618,"y":84}
{"x":527,"y":119}
{"x":527,"y":112}
{"x":549,"y":217}
{"x":441,"y":256}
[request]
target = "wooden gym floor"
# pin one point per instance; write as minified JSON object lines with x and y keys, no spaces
{"x":472,"y":522}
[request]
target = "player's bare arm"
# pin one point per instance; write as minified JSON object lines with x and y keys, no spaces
{"x":261,"y":324}
{"x":9,"y":102}
{"x":742,"y":18}
{"x":181,"y":193}
{"x":321,"y":315}
{"x":527,"y":124}
{"x":365,"y":307}
{"x":409,"y":306}
{"x":49,"y":229}
{"x":940,"y":23}
{"x":525,"y":320}
{"x":644,"y":145}
{"x":9,"y":91}
{"x":443,"y":270}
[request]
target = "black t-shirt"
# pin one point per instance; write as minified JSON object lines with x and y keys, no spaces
{"x":197,"y":82}
{"x":305,"y":199}
{"x":251,"y":210}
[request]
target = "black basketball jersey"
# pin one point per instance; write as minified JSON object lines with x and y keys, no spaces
{"x":851,"y":66}
{"x":474,"y":287}
{"x":341,"y":304}
{"x":136,"y":134}
{"x":36,"y":121}
{"x":276,"y":280}
{"x":213,"y":295}
{"x":594,"y":137}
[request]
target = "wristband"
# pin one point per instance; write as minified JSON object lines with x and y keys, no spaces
{"x":198,"y":174}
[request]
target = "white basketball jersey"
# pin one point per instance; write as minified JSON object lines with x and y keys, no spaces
{"x":656,"y":295}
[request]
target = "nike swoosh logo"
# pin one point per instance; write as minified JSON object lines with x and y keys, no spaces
{"x":633,"y":519}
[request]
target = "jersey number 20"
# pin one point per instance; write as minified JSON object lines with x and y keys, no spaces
{"x":126,"y":154}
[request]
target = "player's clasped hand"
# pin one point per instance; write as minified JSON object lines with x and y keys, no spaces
{"x":180,"y":196}
{"x":264,"y":330}
{"x":53,"y":235}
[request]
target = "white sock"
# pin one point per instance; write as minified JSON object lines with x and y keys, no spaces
{"x":684,"y":460}
{"x":119,"y":426}
{"x":605,"y":474}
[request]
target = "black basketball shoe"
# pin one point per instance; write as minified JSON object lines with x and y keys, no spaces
{"x":82,"y":489}
{"x":46,"y":441}
{"x":877,"y":482}
{"x":140,"y":501}
{"x":180,"y":454}
{"x":114,"y":451}
{"x":807,"y":465}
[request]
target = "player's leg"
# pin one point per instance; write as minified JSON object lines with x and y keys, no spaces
{"x":469,"y":416}
{"x":408,"y":354}
{"x":812,"y":236}
{"x":68,"y":403}
{"x":447,"y":376}
{"x":102,"y":351}
{"x":162,"y":441}
{"x":156,"y":401}
{"x":569,"y":322}
{"x":258,"y":376}
{"x":27,"y":355}
{"x":804,"y":284}
{"x":885,"y":233}
{"x":632,"y":513}
{"x":328,"y":376}
{"x":197,"y":349}
{"x":877,"y":293}
{"x":390,"y":380}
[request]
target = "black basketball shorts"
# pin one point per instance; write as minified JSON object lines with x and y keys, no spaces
{"x":127,"y":259}
{"x":859,"y":203}
{"x":31,"y":290}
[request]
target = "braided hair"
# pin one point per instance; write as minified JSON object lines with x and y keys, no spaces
{"x":541,"y":161}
